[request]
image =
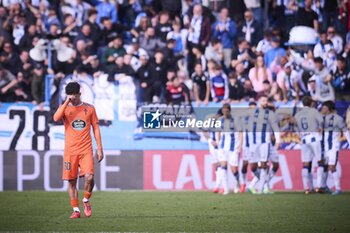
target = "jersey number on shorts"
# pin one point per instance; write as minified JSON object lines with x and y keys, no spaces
{"x":67,"y":165}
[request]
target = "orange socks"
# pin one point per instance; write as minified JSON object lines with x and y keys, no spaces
{"x":87,"y":195}
{"x":74,"y":203}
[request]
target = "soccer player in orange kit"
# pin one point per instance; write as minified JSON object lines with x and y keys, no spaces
{"x":78,"y":117}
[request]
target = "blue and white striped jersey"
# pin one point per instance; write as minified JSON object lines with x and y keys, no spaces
{"x":309,"y":122}
{"x":230,"y":129}
{"x":263,"y":122}
{"x":332,"y":126}
{"x":247,"y":133}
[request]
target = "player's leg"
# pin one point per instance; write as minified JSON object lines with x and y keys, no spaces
{"x":306,"y":158}
{"x":264,"y":154}
{"x":223,"y":171}
{"x":234,"y":162}
{"x":274,"y":159}
{"x":216,"y":165}
{"x":70,"y":173}
{"x":244,"y":171}
{"x":320,"y":172}
{"x":332,"y":164}
{"x":253,"y":162}
{"x":87,"y":170}
{"x":73,"y":194}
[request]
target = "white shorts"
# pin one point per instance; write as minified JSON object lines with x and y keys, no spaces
{"x":245,"y":153}
{"x":213,"y":152}
{"x":331,"y":157}
{"x":232,"y":157}
{"x":310,"y":151}
{"x":273,"y":157}
{"x":260,"y":152}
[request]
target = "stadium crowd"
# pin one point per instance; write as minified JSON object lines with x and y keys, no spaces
{"x":180,"y":50}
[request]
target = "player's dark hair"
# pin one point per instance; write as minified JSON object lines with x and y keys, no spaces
{"x":228,"y":106}
{"x":252,"y":103}
{"x":72,"y":88}
{"x":330,"y":104}
{"x":318,"y":60}
{"x":307,"y":101}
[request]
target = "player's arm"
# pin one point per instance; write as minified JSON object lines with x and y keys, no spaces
{"x":276,"y":129}
{"x":97,"y":134}
{"x":60,"y":111}
{"x":343,"y":128}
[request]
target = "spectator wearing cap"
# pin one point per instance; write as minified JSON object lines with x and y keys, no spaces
{"x":323,"y":47}
{"x":163,"y":27}
{"x":150,"y":42}
{"x":215,"y":51}
{"x":38,"y":83}
{"x":179,"y":35}
{"x":307,"y":17}
{"x":243,"y":54}
{"x":7,"y":83}
{"x":320,"y":84}
{"x":219,"y":85}
{"x":224,"y":29}
{"x":341,"y":80}
{"x":275,"y":53}
{"x":250,"y":29}
{"x":235,"y":88}
{"x":336,"y":40}
{"x":259,"y":73}
{"x":289,"y":80}
{"x":113,"y":50}
{"x":201,"y":85}
{"x":107,"y":9}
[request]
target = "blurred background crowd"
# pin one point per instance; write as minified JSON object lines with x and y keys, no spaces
{"x":179,"y":50}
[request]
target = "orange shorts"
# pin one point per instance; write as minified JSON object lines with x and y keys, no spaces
{"x":72,"y":164}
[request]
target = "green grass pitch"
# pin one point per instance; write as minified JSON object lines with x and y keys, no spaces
{"x":177,"y":212}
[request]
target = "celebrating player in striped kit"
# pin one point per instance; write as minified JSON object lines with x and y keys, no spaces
{"x":246,"y":153}
{"x":230,"y":139}
{"x":333,"y":125}
{"x":309,"y":125}
{"x":263,"y":124}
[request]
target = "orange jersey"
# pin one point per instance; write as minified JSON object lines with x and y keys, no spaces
{"x":77,"y":123}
